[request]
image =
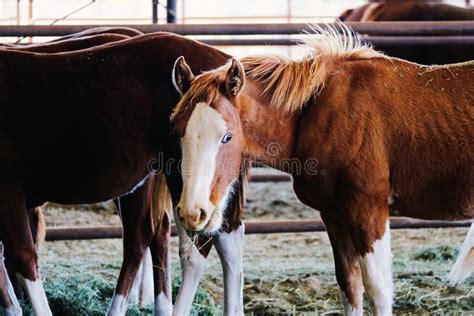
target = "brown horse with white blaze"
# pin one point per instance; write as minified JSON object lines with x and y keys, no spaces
{"x":389,"y":137}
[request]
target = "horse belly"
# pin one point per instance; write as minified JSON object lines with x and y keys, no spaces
{"x":88,"y":181}
{"x":437,"y":203}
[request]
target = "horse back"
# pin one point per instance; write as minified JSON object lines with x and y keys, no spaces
{"x":395,"y":129}
{"x":71,"y":44}
{"x":126,"y":31}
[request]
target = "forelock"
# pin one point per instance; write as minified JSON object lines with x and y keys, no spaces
{"x":204,"y":88}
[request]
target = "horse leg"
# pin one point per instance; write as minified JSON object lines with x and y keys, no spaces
{"x":137,"y":235}
{"x":348,"y":272}
{"x":133,"y":297}
{"x":141,"y":292}
{"x":19,"y":245}
{"x":10,"y":304}
{"x":142,"y":288}
{"x":192,"y":259}
{"x":161,"y":269}
{"x":376,"y":269}
{"x":145,"y":289}
{"x":229,"y":246}
{"x":38,"y":232}
{"x":367,"y":220}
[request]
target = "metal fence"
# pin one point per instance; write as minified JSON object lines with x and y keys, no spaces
{"x":380,"y":33}
{"x":255,"y":227}
{"x":445,"y":28}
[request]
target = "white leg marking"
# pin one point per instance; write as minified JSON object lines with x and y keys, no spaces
{"x":118,"y":306}
{"x":230,"y":250}
{"x":192,"y":266}
{"x":37,"y":296}
{"x":350,"y":310}
{"x":14,"y":309}
{"x":146,"y":290}
{"x":134,"y":291}
{"x":376,"y":270}
{"x":464,"y":265}
{"x":163,"y":306}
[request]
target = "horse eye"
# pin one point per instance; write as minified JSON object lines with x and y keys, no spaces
{"x":227,"y":137}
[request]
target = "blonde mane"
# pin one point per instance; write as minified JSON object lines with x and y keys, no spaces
{"x":290,"y":83}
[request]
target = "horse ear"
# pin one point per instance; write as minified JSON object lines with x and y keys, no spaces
{"x":182,"y":75}
{"x":235,"y":78}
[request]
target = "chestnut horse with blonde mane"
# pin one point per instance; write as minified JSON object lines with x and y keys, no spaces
{"x":373,"y":136}
{"x":127,"y":124}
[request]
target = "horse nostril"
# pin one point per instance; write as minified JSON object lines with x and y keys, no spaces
{"x":202,"y":215}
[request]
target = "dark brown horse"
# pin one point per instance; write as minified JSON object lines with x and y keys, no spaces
{"x":121,"y":94}
{"x":132,"y":213}
{"x":411,"y":11}
{"x":367,"y":136}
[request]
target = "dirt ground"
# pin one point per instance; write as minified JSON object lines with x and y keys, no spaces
{"x":288,"y":274}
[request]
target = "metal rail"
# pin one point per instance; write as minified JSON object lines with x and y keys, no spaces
{"x":451,"y":28}
{"x":270,"y":178}
{"x":376,"y":41}
{"x":255,"y":227}
{"x":386,"y":41}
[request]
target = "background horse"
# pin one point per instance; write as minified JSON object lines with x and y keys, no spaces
{"x":74,"y":42}
{"x":370,"y":136}
{"x":158,"y":45}
{"x":407,"y":11}
{"x":134,"y":209}
{"x":410,"y":11}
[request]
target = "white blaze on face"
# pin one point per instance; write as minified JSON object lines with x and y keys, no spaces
{"x":200,"y":146}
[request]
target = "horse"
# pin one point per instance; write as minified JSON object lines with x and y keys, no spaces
{"x":411,"y":11}
{"x":127,"y":126}
{"x":364,"y":136}
{"x":142,"y":291}
{"x":407,"y":11}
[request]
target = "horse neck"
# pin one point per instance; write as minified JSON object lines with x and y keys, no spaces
{"x":269,"y":132}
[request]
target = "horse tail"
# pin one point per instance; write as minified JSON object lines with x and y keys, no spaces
{"x":464,"y":265}
{"x":161,"y":203}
